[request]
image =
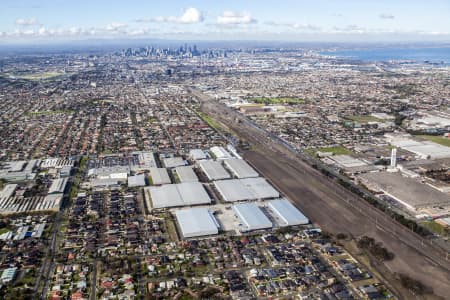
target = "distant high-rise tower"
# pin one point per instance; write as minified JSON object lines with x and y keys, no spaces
{"x":394,"y":158}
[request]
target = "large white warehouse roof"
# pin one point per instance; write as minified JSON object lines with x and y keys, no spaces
{"x":287,"y":213}
{"x":196,"y":222}
{"x":245,"y":189}
{"x":233,"y":190}
{"x":260,"y":188}
{"x":220,"y":152}
{"x":186,"y":174}
{"x":214,"y":170}
{"x":58,"y":186}
{"x":197,"y":154}
{"x":159,"y":176}
{"x":136,"y":180}
{"x":251,"y":216}
{"x":182,"y":194}
{"x":240,"y":168}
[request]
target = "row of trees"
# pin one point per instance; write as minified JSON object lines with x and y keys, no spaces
{"x":375,"y":248}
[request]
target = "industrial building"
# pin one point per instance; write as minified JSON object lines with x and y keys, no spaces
{"x":286,"y":213}
{"x":196,"y":222}
{"x":220,"y":152}
{"x":57,"y":163}
{"x":186,"y":174}
{"x":51,"y":202}
{"x":410,"y":192}
{"x":58,"y":186}
{"x":424,"y":150}
{"x":233,"y":190}
{"x":159,"y":176}
{"x":240,"y":168}
{"x":136,"y":180}
{"x":245,"y":189}
{"x":8,"y":275}
{"x":260,"y":188}
{"x":115,"y":172}
{"x":251,"y":217}
{"x":8,"y":191}
{"x":214,"y":170}
{"x":197,"y":154}
{"x":173,"y":195}
{"x":172,"y":162}
{"x":146,"y":160}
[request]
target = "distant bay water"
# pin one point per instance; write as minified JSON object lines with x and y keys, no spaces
{"x":433,"y":55}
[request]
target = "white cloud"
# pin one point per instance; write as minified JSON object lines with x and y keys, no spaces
{"x":26,"y":22}
{"x":233,"y":18}
{"x":386,"y":16}
{"x":115,"y":26}
{"x":190,"y":15}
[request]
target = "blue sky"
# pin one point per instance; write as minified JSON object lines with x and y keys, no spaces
{"x":318,"y":20}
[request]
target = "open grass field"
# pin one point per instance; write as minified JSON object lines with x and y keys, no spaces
{"x":277,"y":100}
{"x":434,"y":227}
{"x":3,"y":230}
{"x":40,"y":76}
{"x":437,"y":139}
{"x":364,"y":119}
{"x":210,"y":121}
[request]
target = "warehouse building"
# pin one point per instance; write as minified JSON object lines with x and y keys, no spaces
{"x":410,"y":192}
{"x":245,"y":189}
{"x":260,"y":188}
{"x":146,"y":160}
{"x":286,"y":213}
{"x":220,"y":152}
{"x":58,"y":186}
{"x":196,"y":222}
{"x":251,"y":217}
{"x":233,"y":190}
{"x":8,"y":191}
{"x":173,"y":195}
{"x":214,"y":170}
{"x":136,"y":180}
{"x":186,"y":174}
{"x":51,"y":202}
{"x":197,"y":154}
{"x":240,"y":168}
{"x":172,"y":162}
{"x":159,"y":176}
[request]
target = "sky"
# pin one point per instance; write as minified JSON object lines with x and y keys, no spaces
{"x":30,"y":21}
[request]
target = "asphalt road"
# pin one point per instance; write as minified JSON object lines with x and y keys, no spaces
{"x":333,"y":207}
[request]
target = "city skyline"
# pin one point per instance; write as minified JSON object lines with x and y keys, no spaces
{"x":44,"y":21}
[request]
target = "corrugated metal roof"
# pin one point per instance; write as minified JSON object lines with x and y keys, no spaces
{"x":186,"y":174}
{"x":287,"y":213}
{"x":240,"y":168}
{"x":196,"y":222}
{"x":251,"y":216}
{"x":233,"y":190}
{"x":214,"y":170}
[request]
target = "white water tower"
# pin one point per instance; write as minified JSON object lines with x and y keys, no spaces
{"x":394,"y":158}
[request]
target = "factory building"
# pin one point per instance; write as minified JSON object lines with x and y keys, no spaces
{"x":286,"y":213}
{"x":220,"y":152}
{"x":251,"y":217}
{"x":240,"y":168}
{"x":195,"y":222}
{"x":214,"y":170}
{"x":173,"y":195}
{"x":186,"y":174}
{"x":159,"y":176}
{"x":136,"y":180}
{"x":245,"y":189}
